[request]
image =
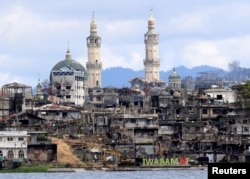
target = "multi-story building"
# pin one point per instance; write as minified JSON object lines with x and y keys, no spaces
{"x":134,"y":135}
{"x":13,"y":145}
{"x":20,"y":97}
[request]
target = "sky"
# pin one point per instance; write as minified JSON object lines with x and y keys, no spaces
{"x":35,"y":35}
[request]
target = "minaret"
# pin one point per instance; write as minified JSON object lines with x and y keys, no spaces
{"x":68,"y":55}
{"x":39,"y":93}
{"x":151,"y":61}
{"x":94,"y":65}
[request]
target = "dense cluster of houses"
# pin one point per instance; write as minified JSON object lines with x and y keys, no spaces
{"x":160,"y":127}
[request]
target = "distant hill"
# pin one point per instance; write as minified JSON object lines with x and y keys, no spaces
{"x":119,"y":77}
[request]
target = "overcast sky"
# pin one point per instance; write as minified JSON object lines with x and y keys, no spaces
{"x":34,"y":34}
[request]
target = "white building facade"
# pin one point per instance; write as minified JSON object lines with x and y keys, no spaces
{"x":68,"y":78}
{"x":13,"y":145}
{"x":222,"y":95}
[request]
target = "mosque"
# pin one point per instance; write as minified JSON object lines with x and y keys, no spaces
{"x":71,"y":82}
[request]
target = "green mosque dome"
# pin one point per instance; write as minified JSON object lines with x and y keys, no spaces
{"x":69,"y":65}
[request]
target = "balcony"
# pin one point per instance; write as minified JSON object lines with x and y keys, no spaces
{"x":95,"y":65}
{"x":144,"y":139}
{"x":141,"y":125}
{"x":151,"y":62}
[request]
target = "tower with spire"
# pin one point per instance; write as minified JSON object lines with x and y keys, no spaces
{"x":151,"y":61}
{"x":94,"y":65}
{"x":39,"y":93}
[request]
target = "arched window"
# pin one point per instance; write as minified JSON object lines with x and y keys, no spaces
{"x":20,"y":154}
{"x":10,"y":154}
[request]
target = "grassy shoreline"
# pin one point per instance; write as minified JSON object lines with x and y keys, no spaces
{"x":27,"y":169}
{"x":36,"y":168}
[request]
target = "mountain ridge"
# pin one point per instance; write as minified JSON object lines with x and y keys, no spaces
{"x":119,"y":77}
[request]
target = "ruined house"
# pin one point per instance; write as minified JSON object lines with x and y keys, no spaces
{"x":40,"y":148}
{"x":134,"y":135}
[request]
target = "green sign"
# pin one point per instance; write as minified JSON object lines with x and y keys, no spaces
{"x":164,"y":161}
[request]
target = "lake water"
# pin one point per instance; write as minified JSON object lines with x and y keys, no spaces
{"x":160,"y":174}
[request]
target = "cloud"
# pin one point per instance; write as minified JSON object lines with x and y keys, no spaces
{"x":21,"y":26}
{"x":9,"y":78}
{"x":216,"y":53}
{"x":123,"y":30}
{"x":206,"y":21}
{"x":18,"y":25}
{"x":202,"y":52}
{"x":132,"y":60}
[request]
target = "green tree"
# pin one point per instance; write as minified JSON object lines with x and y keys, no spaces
{"x":243,"y":95}
{"x":45,"y":83}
